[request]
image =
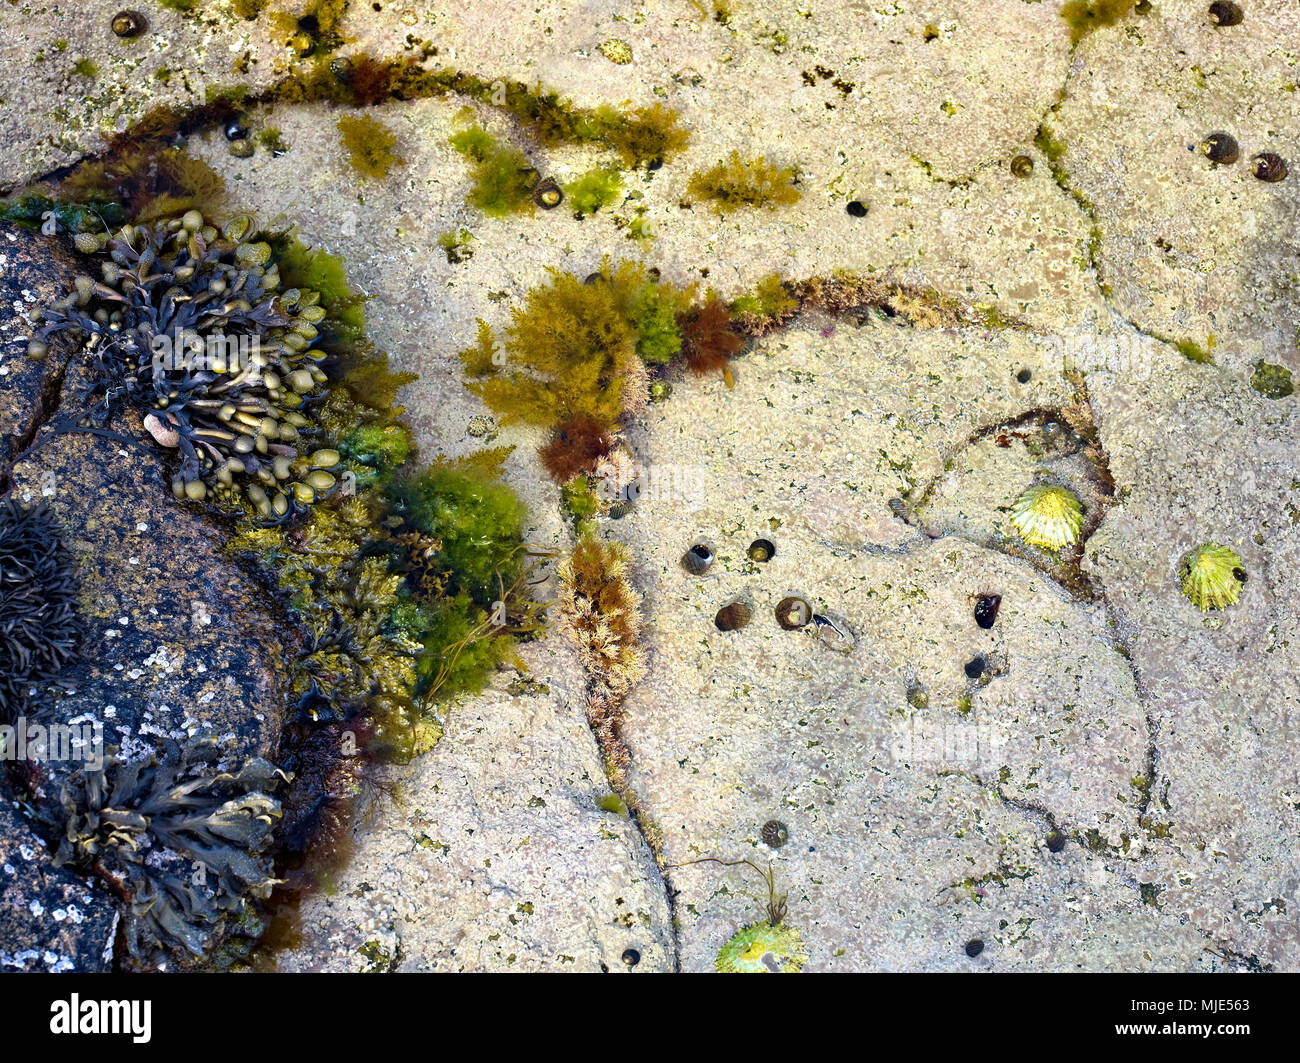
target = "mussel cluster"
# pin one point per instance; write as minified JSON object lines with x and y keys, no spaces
{"x":188,"y":324}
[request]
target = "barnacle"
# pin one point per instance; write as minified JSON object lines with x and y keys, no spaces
{"x":189,"y":326}
{"x":1212,"y":576}
{"x":39,"y":627}
{"x":616,"y":51}
{"x":185,"y":841}
{"x":763,"y":949}
{"x":1047,"y":516}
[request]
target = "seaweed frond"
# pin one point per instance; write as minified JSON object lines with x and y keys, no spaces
{"x":737,"y":182}
{"x":370,"y":145}
{"x":594,"y":190}
{"x":708,"y":342}
{"x":148,"y":824}
{"x":504,"y":177}
{"x":565,"y":351}
{"x":39,"y":627}
{"x":601,"y":614}
{"x":575,"y":447}
{"x":647,"y":136}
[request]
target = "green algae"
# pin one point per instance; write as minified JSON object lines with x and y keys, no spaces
{"x":737,"y":182}
{"x":1272,"y":381}
{"x":370,"y":145}
{"x":579,"y":503}
{"x":594,"y":190}
{"x":504,"y":177}
{"x":1193,"y":351}
{"x":1084,"y":16}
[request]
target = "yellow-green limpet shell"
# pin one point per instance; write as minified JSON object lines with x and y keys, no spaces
{"x":1048,"y":516}
{"x":1212,"y":577}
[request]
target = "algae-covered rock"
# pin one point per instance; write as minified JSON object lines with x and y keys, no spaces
{"x":178,"y":645}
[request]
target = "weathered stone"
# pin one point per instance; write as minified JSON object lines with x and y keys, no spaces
{"x":492,"y":852}
{"x":50,"y":918}
{"x":34,"y":270}
{"x":180,"y":640}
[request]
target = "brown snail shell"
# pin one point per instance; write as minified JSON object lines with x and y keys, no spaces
{"x":547,"y":195}
{"x":1226,"y":13}
{"x":1022,"y":166}
{"x":1269,"y":167}
{"x":732,"y":617}
{"x":129,"y":23}
{"x":1220,"y":148}
{"x":697,"y":559}
{"x":793,"y":613}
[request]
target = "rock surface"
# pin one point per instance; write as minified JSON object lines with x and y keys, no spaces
{"x":1156,"y":740}
{"x":492,"y":853}
{"x":181,"y":641}
{"x":50,"y":919}
{"x":33,"y":271}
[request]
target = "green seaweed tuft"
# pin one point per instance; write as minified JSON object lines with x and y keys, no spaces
{"x":477,"y":518}
{"x":1194,"y":352}
{"x":504,"y":178}
{"x":737,"y":182}
{"x":369,"y":144}
{"x":594,"y":190}
{"x":1084,"y":16}
{"x":1272,"y":381}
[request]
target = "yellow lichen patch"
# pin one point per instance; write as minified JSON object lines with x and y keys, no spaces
{"x":1048,"y":516}
{"x":763,"y":949}
{"x":1212,"y":577}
